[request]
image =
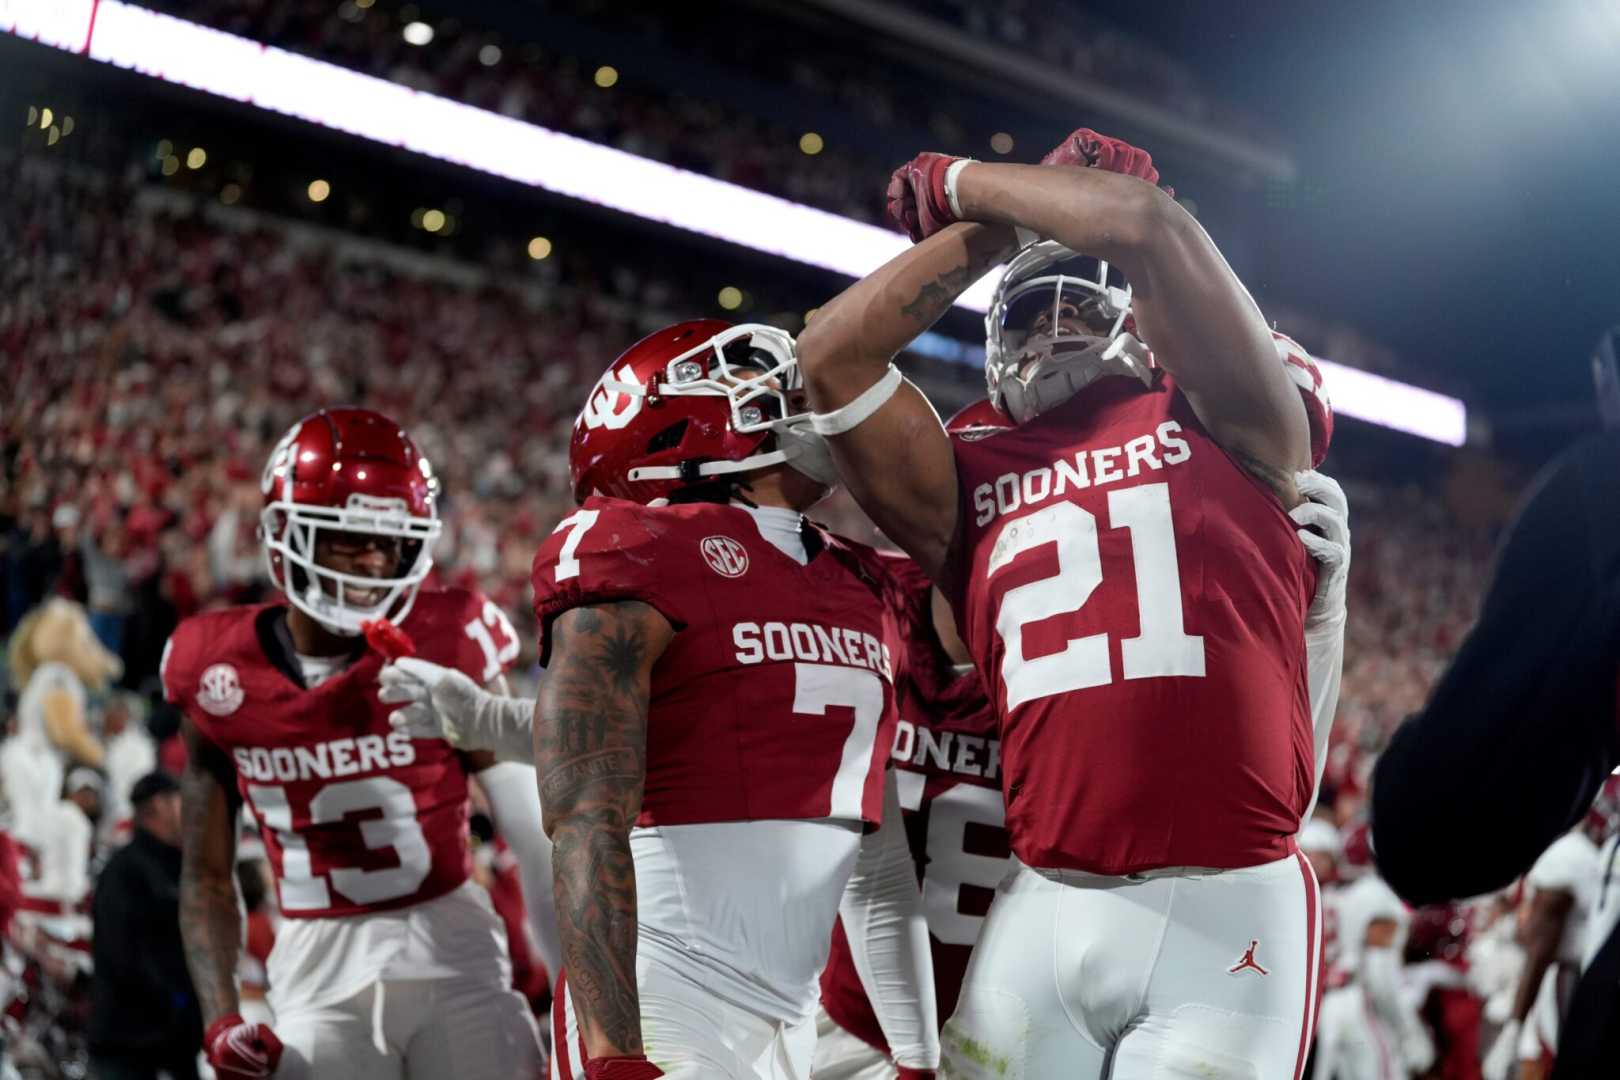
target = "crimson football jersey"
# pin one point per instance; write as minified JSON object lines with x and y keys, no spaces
{"x":947,"y":761}
{"x":773,"y":699}
{"x":1135,"y":601}
{"x":355,"y":816}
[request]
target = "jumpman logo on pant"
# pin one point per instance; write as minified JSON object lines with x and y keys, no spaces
{"x":1248,"y":963}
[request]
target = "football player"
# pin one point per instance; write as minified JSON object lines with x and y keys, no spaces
{"x":390,"y":963}
{"x":1127,"y":575}
{"x":1562,"y":891}
{"x":711,"y":731}
{"x":947,"y":756}
{"x":1367,"y":1030}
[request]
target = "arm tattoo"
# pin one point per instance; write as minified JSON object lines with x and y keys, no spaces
{"x":590,"y":736}
{"x":1280,"y":481}
{"x":934,"y":298}
{"x":210,"y":920}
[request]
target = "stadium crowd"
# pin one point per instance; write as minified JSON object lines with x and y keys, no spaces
{"x":155,"y":354}
{"x":555,"y":83}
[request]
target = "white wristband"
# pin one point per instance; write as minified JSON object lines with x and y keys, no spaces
{"x":856,"y":412}
{"x":952,"y":171}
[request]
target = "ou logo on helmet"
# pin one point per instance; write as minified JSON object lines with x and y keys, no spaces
{"x":725,"y":556}
{"x":611,"y":408}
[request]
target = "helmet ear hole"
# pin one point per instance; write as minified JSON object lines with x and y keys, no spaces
{"x":669,"y":438}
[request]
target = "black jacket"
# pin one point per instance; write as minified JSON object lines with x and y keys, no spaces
{"x":141,"y":998}
{"x":1521,"y":730}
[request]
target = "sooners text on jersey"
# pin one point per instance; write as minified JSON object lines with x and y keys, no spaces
{"x":1135,"y":601}
{"x":355,"y":816}
{"x":773,"y":700}
{"x":947,"y":761}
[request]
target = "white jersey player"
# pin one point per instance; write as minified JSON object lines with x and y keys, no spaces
{"x":1366,"y":1029}
{"x":1560,"y":892}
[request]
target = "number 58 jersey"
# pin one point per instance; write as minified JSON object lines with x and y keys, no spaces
{"x":1135,"y":601}
{"x":356,"y":817}
{"x":773,"y":700}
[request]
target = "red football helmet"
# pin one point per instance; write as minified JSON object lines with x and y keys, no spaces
{"x":1307,"y":377}
{"x":691,"y":402}
{"x":977,"y":420}
{"x":351,"y":470}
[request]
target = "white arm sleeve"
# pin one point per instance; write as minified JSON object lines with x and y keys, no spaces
{"x":888,"y":938}
{"x":1324,"y":667}
{"x":505,"y":725}
{"x":514,"y":802}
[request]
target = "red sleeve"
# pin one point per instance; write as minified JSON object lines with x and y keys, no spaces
{"x":608,"y":550}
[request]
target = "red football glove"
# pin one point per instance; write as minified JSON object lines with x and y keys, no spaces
{"x":241,"y":1051}
{"x":916,"y":199}
{"x":621,"y":1068}
{"x":908,"y":1073}
{"x":388,"y":639}
{"x":1085,"y":147}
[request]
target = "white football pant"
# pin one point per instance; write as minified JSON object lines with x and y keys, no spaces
{"x":1178,"y":973}
{"x":467,"y":1027}
{"x":842,"y":1056}
{"x":1353,"y":1042}
{"x":689,"y":1033}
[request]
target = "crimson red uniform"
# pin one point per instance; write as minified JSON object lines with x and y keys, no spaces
{"x":947,"y":758}
{"x":1135,"y":600}
{"x":773,"y":701}
{"x":355,"y":816}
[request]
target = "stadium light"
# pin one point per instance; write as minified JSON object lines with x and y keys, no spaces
{"x":319,"y":190}
{"x":1001,"y":142}
{"x":811,"y":143}
{"x":539,"y":248}
{"x":730,"y":298}
{"x":184,"y":53}
{"x":417,"y":33}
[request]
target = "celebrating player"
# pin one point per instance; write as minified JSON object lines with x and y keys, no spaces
{"x":1128,"y":578}
{"x":390,"y":962}
{"x":711,"y":731}
{"x":947,"y":759}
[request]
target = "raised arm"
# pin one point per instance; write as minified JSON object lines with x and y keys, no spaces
{"x":210,"y":919}
{"x":897,"y":463}
{"x":590,"y":742}
{"x":1190,"y":308}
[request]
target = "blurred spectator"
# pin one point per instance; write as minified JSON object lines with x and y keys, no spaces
{"x":131,"y":753}
{"x":144,"y":1014}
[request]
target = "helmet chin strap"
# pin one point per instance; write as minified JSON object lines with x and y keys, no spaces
{"x":804,"y":451}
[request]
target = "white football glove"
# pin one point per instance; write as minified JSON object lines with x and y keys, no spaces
{"x":1504,"y":1054}
{"x":1328,"y":542}
{"x":442,"y":703}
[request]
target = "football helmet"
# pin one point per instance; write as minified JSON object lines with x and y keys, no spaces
{"x":347,"y":470}
{"x":692,"y":402}
{"x":978,"y":420}
{"x":1058,"y":321}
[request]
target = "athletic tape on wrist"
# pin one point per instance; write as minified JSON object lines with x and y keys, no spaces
{"x":856,"y":412}
{"x":952,"y":171}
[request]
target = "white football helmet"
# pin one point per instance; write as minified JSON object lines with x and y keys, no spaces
{"x":1053,"y":329}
